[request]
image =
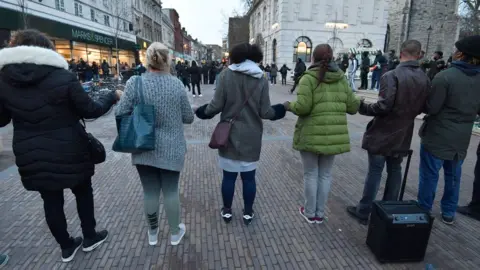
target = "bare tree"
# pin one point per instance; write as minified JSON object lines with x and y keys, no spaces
{"x":470,"y":17}
{"x":23,"y":4}
{"x":121,"y":11}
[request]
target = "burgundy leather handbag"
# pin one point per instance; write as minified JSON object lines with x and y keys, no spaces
{"x":221,"y":133}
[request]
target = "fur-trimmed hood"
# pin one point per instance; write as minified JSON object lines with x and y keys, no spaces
{"x":27,"y":65}
{"x":31,"y":55}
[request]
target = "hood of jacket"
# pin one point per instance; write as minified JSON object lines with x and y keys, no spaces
{"x":468,"y":69}
{"x":27,"y":65}
{"x":249,"y":68}
{"x":333,"y":74}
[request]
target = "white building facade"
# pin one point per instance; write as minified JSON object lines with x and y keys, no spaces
{"x":168,"y":34}
{"x":290,"y":29}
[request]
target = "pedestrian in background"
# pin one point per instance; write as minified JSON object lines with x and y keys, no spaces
{"x":268,"y":70}
{"x":195,"y":77}
{"x":451,"y":109}
{"x":344,"y":63}
{"x":205,"y":69}
{"x":173,"y":68}
{"x":160,"y":169}
{"x":364,"y":69}
{"x":393,"y":60}
{"x":403,"y":92}
{"x":185,"y":75}
{"x":95,"y":70}
{"x":436,"y":65}
{"x":243,"y":95}
{"x":297,"y":73}
{"x":213,"y":72}
{"x":352,"y":71}
{"x":273,"y":74}
{"x":51,"y":146}
{"x":379,"y":67}
{"x":324,"y":98}
{"x":284,"y":71}
{"x":105,"y":69}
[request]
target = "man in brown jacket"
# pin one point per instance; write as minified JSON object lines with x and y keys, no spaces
{"x":402,"y":96}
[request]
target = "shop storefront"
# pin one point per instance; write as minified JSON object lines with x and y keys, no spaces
{"x":75,"y":43}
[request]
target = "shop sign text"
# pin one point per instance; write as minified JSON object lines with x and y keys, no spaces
{"x":91,"y":36}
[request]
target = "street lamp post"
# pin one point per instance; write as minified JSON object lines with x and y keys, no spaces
{"x":335,"y":25}
{"x":429,"y":31}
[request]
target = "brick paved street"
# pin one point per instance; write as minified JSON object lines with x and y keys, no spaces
{"x":278,"y":239}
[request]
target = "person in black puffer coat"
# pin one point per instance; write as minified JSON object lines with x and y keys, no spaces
{"x":45,"y":103}
{"x":195,"y":78}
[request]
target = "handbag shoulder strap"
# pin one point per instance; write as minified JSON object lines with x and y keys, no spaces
{"x":139,"y":89}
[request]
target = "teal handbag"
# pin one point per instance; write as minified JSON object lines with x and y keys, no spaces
{"x":136,"y":131}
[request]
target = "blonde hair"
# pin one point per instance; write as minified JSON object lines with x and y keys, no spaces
{"x":158,"y":57}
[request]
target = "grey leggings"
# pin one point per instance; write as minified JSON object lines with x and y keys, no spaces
{"x":154,"y":180}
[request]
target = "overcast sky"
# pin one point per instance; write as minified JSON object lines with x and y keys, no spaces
{"x":204,"y":19}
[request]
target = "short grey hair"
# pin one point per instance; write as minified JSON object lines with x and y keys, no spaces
{"x":411,"y":47}
{"x":158,"y":57}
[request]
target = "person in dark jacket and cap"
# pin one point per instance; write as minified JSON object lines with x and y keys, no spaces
{"x":46,"y":102}
{"x":451,"y":109}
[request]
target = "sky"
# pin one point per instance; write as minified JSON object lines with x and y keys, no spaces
{"x":206,"y":20}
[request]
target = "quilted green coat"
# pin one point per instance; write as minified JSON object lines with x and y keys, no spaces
{"x":321,"y":108}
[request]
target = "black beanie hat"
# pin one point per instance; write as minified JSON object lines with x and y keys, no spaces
{"x":469,"y":45}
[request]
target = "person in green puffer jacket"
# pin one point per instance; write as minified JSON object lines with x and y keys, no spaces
{"x":323,"y":100}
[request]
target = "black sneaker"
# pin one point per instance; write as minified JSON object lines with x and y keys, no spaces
{"x":69,"y":253}
{"x":352,"y":210}
{"x":248,"y":217}
{"x":448,"y":220}
{"x":91,"y":244}
{"x":227,"y":214}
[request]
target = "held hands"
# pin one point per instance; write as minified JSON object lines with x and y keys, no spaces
{"x":118,"y":94}
{"x":286,"y":105}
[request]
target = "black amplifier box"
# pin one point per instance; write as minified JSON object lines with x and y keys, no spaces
{"x":399,"y":231}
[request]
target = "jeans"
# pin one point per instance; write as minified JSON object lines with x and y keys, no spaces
{"x":249,"y":189}
{"x":198,"y":86}
{"x":153,"y":181}
{"x":429,"y":174}
{"x":284,"y":79}
{"x":376,"y":79}
{"x":53,"y":202}
{"x":376,"y":164}
{"x":351,"y":81}
{"x":475,"y":203}
{"x":186,"y":83}
{"x":273,"y":79}
{"x":268,"y":75}
{"x":317,"y":179}
{"x":364,"y":79}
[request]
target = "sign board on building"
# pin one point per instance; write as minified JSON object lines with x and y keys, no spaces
{"x":90,"y":36}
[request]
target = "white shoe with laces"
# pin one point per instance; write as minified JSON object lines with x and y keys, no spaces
{"x":153,"y":237}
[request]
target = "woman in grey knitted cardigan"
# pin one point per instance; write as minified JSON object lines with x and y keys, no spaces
{"x":159,"y":169}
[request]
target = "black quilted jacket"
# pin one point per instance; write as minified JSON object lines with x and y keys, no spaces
{"x":45,"y":101}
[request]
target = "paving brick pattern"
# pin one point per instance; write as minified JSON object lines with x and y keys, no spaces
{"x":278,"y":238}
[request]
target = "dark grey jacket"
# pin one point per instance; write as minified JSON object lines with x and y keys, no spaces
{"x":245,"y":140}
{"x":451,"y":109}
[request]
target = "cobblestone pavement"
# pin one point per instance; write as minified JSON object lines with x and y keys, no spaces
{"x":278,"y":239}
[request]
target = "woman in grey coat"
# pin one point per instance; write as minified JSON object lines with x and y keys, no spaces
{"x":242,"y":91}
{"x":159,"y":169}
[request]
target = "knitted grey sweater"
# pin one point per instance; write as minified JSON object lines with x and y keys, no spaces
{"x":172,"y":109}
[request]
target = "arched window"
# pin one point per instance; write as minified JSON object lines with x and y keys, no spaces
{"x":364,"y":43}
{"x":274,"y":51}
{"x":302,"y":48}
{"x":264,"y":22}
{"x":335,"y":43}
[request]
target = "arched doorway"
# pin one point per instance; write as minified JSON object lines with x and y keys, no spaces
{"x":274,"y":51}
{"x":302,"y":48}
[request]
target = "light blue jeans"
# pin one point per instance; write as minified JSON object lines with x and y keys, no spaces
{"x":317,"y":178}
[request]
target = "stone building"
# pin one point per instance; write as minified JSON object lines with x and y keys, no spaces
{"x":290,"y":29}
{"x":238,"y":31}
{"x":435,"y":23}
